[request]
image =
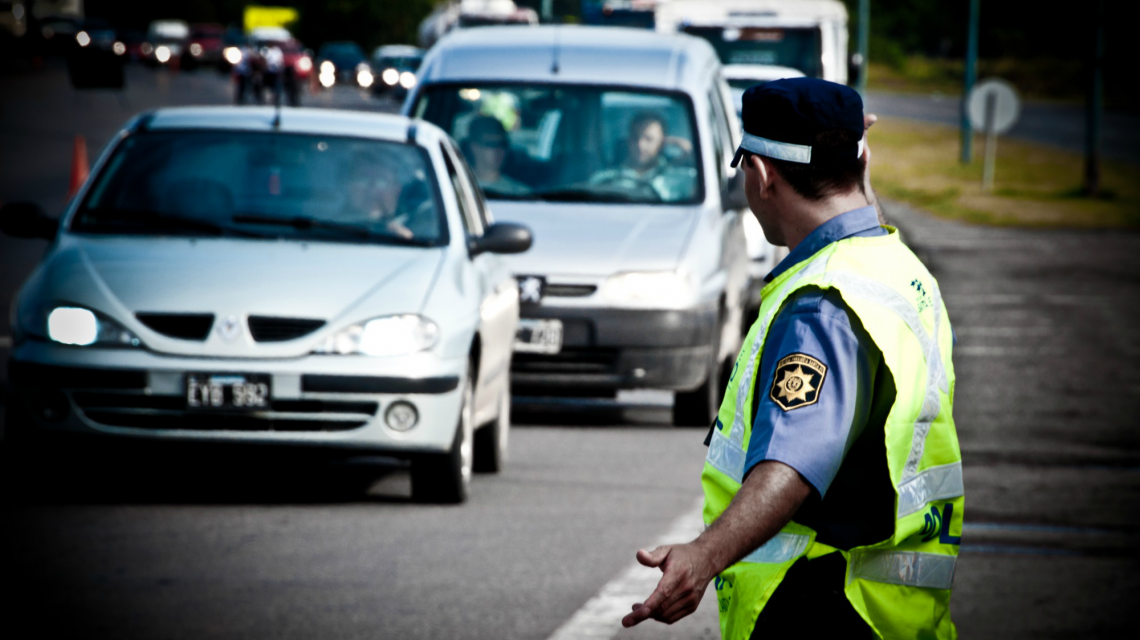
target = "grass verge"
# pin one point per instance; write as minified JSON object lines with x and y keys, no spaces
{"x":1034,"y":185}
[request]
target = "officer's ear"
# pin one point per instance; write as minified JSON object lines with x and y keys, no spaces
{"x":762,"y":172}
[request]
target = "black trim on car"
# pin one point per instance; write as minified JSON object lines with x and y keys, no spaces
{"x":30,"y":374}
{"x":377,"y":384}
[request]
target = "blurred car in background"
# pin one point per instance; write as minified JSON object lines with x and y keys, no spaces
{"x":308,"y":278}
{"x":165,"y":41}
{"x":95,"y":59}
{"x":615,"y":145}
{"x":234,"y":39}
{"x":133,"y":40}
{"x":394,"y":69}
{"x":343,"y":62}
{"x":741,"y":77}
{"x":204,"y":46}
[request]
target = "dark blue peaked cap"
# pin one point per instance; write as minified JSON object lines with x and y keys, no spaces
{"x":782,"y":117}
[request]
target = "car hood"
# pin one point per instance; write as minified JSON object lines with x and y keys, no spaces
{"x":336,"y":283}
{"x":575,"y":239}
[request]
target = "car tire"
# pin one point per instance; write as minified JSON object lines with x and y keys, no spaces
{"x":444,"y":478}
{"x":491,"y":440}
{"x":698,"y":408}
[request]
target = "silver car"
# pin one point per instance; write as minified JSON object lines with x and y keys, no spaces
{"x":614,"y":145}
{"x":308,"y":278}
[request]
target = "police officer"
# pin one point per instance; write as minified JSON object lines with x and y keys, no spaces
{"x":833,"y":482}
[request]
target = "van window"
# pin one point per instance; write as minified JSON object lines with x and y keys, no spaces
{"x":572,"y":143}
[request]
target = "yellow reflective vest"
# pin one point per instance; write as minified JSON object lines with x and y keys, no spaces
{"x":900,"y":585}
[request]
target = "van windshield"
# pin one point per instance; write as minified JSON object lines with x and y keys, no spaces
{"x":572,"y":143}
{"x":798,"y":48}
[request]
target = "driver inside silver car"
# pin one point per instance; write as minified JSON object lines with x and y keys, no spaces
{"x":646,"y":164}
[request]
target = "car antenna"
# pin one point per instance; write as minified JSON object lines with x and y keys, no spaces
{"x":557,"y":52}
{"x":276,"y":114}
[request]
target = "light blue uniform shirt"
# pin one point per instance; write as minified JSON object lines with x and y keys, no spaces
{"x":814,"y":438}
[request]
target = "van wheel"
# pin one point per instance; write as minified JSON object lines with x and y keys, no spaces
{"x":445,"y":478}
{"x":491,"y":440}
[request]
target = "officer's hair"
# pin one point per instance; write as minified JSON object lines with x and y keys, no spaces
{"x":818,"y":181}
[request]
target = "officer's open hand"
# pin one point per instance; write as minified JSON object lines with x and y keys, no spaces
{"x":687,"y":573}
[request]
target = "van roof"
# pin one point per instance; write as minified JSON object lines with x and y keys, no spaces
{"x":570,"y":54}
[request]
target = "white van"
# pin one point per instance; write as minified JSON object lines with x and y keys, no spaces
{"x":614,"y":146}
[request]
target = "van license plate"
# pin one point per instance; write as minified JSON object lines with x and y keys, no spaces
{"x":228,"y":392}
{"x":538,"y":336}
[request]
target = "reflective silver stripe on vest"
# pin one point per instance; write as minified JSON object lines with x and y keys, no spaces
{"x":935,"y":483}
{"x":726,"y":457}
{"x":908,"y":568}
{"x":783,"y":547}
{"x":883,"y":295}
{"x":745,"y":386}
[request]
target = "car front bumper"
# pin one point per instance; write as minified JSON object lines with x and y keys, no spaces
{"x":609,"y":348}
{"x":334,"y":402}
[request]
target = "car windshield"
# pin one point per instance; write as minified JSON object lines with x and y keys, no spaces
{"x":289,"y":186}
{"x":572,"y":143}
{"x":342,"y":53}
{"x":798,"y":48}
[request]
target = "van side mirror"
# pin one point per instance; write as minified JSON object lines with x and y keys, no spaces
{"x":27,"y":220}
{"x":501,"y":237}
{"x":732,"y":197}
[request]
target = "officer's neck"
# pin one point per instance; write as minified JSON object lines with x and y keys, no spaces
{"x":800,"y":216}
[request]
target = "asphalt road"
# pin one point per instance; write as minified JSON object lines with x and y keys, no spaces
{"x":1047,"y":394}
{"x":1055,"y":124}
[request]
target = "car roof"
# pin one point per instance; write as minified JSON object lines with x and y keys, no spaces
{"x":571,"y":54}
{"x":358,"y":124}
{"x":398,"y":50}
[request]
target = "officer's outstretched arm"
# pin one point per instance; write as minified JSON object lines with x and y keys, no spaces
{"x":770,"y":496}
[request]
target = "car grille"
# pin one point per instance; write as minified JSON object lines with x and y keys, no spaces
{"x":592,"y":360}
{"x":169,"y":412}
{"x":184,"y":326}
{"x":570,"y":290}
{"x":270,"y":329}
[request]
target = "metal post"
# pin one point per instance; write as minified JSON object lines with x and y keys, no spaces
{"x":547,"y":11}
{"x":991,"y":143}
{"x":969,"y":77}
{"x":863,"y":45}
{"x":1094,"y":107}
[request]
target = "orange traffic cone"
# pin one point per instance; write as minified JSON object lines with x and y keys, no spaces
{"x":79,"y":167}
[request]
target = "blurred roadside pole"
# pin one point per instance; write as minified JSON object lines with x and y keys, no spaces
{"x":971,"y":70}
{"x":863,"y":45}
{"x":993,"y":107}
{"x":1094,"y":106}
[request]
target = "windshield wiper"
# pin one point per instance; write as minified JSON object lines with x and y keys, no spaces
{"x":306,"y":223}
{"x":584,"y":195}
{"x":164,"y":221}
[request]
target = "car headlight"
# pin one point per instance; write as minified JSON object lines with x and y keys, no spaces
{"x":387,"y":336}
{"x":364,"y":78}
{"x":407,"y":79}
{"x":667,"y":288}
{"x":390,"y":76}
{"x":232,"y":55}
{"x":328,"y":67}
{"x":82,"y":327}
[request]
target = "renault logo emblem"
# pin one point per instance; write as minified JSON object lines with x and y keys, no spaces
{"x":229,"y":328}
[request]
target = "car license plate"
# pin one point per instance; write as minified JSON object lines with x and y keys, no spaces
{"x":228,"y":391}
{"x":538,"y":336}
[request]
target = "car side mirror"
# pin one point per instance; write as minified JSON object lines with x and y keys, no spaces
{"x":27,"y":220}
{"x":501,"y":237}
{"x":732,"y":197}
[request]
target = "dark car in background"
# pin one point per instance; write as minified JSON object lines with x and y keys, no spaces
{"x":204,"y":46}
{"x":340,"y":62}
{"x":394,"y":68}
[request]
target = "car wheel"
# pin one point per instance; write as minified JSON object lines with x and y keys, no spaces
{"x":444,"y":478}
{"x":698,"y":408}
{"x":491,"y":440}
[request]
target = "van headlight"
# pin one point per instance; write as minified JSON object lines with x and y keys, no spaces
{"x":387,"y":336}
{"x":664,"y":288}
{"x":83,"y":327}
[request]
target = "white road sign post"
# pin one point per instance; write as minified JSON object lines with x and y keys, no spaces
{"x":993,"y":107}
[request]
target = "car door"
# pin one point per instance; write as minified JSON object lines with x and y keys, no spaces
{"x":499,"y":300}
{"x":734,"y":254}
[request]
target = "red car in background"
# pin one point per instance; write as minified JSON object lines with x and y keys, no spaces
{"x":204,"y":46}
{"x":297,"y":59}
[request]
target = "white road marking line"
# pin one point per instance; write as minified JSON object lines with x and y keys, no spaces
{"x":600,"y":618}
{"x":5,"y":342}
{"x":1004,"y":332}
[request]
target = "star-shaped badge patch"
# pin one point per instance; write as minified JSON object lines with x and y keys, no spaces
{"x":798,"y":381}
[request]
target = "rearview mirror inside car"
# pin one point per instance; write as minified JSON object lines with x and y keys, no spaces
{"x":27,"y":220}
{"x":501,"y":237}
